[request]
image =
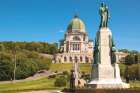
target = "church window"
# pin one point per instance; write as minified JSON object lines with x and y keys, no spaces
{"x":87,"y":59}
{"x":71,"y":59}
{"x":81,"y":59}
{"x":78,"y":46}
{"x":76,"y":60}
{"x":65,"y":58}
{"x":75,"y":46}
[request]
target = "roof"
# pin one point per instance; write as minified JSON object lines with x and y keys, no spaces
{"x":76,"y":24}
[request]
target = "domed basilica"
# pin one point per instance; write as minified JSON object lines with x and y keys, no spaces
{"x":76,"y":46}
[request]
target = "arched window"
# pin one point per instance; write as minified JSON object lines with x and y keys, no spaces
{"x":76,"y":60}
{"x":65,"y":58}
{"x":81,"y":59}
{"x":76,"y":46}
{"x":87,"y":59}
{"x":76,"y":38}
{"x":70,"y":59}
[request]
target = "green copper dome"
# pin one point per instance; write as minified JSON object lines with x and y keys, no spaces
{"x":76,"y":24}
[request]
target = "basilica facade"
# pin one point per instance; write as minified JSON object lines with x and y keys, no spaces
{"x":76,"y":46}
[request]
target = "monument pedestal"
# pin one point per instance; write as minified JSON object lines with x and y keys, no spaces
{"x":109,"y":86}
{"x":107,"y":77}
{"x":106,"y":72}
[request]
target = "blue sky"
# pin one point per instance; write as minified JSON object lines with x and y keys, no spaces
{"x":47,"y":20}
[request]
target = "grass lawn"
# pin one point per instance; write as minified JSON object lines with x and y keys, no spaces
{"x":40,"y":84}
{"x":67,"y":67}
{"x":135,"y":84}
{"x":43,"y":83}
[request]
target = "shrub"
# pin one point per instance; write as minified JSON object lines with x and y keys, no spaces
{"x":56,"y":71}
{"x":52,"y":76}
{"x":60,"y":81}
{"x":132,"y":71}
{"x":65,"y":73}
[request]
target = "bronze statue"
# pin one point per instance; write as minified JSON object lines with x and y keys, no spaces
{"x":104,"y":13}
{"x":72,"y":80}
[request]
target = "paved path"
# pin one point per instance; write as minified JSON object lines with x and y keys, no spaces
{"x":35,"y":77}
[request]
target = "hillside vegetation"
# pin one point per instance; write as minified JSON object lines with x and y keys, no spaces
{"x":19,"y":60}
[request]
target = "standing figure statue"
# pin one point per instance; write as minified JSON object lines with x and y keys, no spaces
{"x":104,"y":13}
{"x":72,"y":80}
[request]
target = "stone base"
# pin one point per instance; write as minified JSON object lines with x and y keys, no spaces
{"x":108,"y":84}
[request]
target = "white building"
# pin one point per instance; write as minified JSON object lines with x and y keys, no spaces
{"x":121,"y":56}
{"x":76,"y":46}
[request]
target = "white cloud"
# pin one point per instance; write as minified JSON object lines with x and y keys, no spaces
{"x":61,"y":31}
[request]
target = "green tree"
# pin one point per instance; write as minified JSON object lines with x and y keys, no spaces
{"x":25,"y":69}
{"x":6,"y":66}
{"x":130,"y":59}
{"x":133,"y":71}
{"x":44,"y":63}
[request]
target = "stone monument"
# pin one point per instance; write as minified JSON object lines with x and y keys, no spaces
{"x":76,"y":73}
{"x":106,"y":72}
